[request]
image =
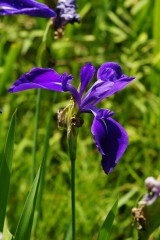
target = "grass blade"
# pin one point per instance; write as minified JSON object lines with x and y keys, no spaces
{"x":41,"y":184}
{"x":68,"y":234}
{"x":106,"y":228}
{"x":6,"y":234}
{"x":24,"y":227}
{"x":5,"y":170}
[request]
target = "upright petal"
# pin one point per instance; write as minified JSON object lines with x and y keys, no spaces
{"x":111,"y":140}
{"x":110,"y":80}
{"x":86,"y":75}
{"x":66,"y":13}
{"x":46,"y":78}
{"x":67,"y":87}
{"x":29,"y":7}
{"x":120,"y":80}
{"x":103,"y":70}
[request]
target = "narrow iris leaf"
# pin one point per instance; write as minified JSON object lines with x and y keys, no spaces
{"x":68,"y":234}
{"x":106,"y":228}
{"x":24,"y":227}
{"x":42,"y":180}
{"x":5,"y":170}
{"x":6,"y":234}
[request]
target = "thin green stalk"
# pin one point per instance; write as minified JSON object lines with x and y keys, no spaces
{"x":73,"y":199}
{"x":35,"y":133}
{"x":72,"y":132}
{"x":44,"y":39}
{"x":50,"y":23}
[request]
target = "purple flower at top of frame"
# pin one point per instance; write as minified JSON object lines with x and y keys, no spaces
{"x":29,"y":7}
{"x":109,"y":136}
{"x":66,"y":13}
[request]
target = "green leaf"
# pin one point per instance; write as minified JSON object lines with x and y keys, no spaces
{"x":24,"y":227}
{"x":6,"y":234}
{"x":119,"y":22}
{"x":106,"y":228}
{"x":42,"y":181}
{"x":33,"y":202}
{"x":5,"y":170}
{"x":68,"y":234}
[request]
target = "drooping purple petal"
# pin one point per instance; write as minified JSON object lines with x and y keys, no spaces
{"x":66,"y":13}
{"x":0,"y":110}
{"x":86,"y":75}
{"x":101,"y":113}
{"x":111,"y":140}
{"x":29,"y":7}
{"x":46,"y":78}
{"x":110,"y":80}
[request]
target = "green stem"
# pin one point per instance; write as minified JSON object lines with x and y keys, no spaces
{"x":44,"y":39}
{"x":72,"y":133}
{"x":35,"y":133}
{"x":73,"y":198}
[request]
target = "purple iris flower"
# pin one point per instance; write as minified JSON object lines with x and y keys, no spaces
{"x":66,"y":13}
{"x":110,"y":137}
{"x":65,"y":10}
{"x":29,"y":7}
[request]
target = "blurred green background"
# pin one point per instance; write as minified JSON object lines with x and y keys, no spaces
{"x":124,"y":31}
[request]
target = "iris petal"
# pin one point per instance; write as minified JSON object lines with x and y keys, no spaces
{"x":101,"y":73}
{"x":86,"y":75}
{"x":38,"y":78}
{"x":110,"y":80}
{"x":111,"y":140}
{"x":29,"y":7}
{"x":96,"y":93}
